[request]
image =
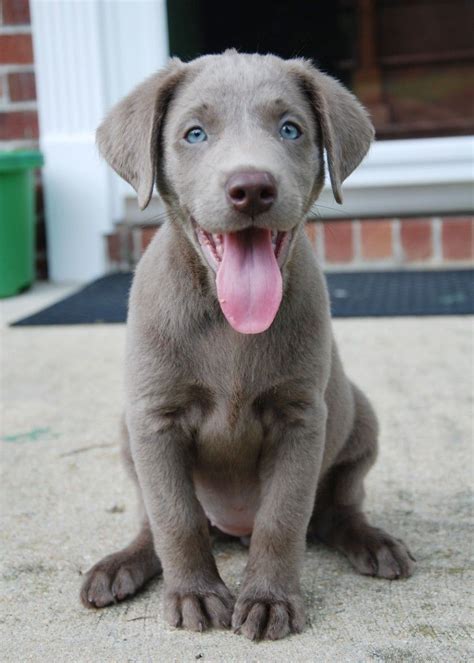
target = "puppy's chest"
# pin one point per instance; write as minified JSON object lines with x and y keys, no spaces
{"x":234,"y":380}
{"x":231,"y":426}
{"x":245,"y":385}
{"x":228,"y":445}
{"x":245,"y":394}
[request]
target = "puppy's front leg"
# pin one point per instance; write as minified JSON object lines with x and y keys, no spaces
{"x":195,"y":596}
{"x":270,"y":604}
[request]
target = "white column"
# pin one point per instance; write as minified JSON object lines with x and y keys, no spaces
{"x":88,"y":54}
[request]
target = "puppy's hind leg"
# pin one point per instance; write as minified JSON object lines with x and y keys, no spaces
{"x":338,"y":519}
{"x":125,"y":572}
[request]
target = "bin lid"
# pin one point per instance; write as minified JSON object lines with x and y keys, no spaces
{"x":20,"y":160}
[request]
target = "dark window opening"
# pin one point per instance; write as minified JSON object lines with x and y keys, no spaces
{"x":411,"y":62}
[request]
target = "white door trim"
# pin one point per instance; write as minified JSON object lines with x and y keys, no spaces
{"x":88,"y":54}
{"x":410,"y":176}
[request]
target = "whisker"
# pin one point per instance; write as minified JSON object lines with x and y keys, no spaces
{"x":161,"y":216}
{"x":341,"y":212}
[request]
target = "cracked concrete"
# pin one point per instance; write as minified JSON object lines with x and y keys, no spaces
{"x":66,"y":502}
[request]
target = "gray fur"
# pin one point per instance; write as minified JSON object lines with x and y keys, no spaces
{"x":267,"y":425}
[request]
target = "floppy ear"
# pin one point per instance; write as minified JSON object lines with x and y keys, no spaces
{"x":128,"y":138}
{"x":346,"y":129}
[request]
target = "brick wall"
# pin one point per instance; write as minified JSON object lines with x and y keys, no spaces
{"x":18,"y":109}
{"x":421,"y":242}
{"x":18,"y":116}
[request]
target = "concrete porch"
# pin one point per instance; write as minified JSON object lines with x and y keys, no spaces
{"x":66,"y":502}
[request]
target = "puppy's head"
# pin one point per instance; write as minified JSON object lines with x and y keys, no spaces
{"x":235,"y":144}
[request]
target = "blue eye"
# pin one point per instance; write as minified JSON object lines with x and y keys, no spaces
{"x":290,"y":131}
{"x":196,"y":135}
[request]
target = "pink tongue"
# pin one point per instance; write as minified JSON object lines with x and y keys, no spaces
{"x":249,"y":284}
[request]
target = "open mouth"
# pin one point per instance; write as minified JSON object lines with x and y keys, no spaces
{"x":248,"y":274}
{"x":213,"y":244}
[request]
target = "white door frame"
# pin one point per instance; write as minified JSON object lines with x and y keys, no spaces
{"x":88,"y":54}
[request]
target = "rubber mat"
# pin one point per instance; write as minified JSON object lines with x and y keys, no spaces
{"x":353,"y":294}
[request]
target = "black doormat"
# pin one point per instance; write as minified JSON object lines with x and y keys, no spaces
{"x":353,"y":294}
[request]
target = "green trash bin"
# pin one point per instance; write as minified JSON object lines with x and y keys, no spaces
{"x":17,"y":220}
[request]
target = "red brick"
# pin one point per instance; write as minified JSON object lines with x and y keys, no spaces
{"x":16,"y":12}
{"x":338,"y":241}
{"x":21,"y":86}
{"x":18,"y":125}
{"x":16,"y":49}
{"x":147,"y":235}
{"x":113,"y":247}
{"x":417,"y":238}
{"x":376,"y":239}
{"x":458,"y":238}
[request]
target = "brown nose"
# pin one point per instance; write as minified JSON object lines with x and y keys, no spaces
{"x":251,"y":192}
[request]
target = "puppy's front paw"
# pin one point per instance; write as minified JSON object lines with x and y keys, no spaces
{"x":198,"y":608}
{"x":266,"y":616}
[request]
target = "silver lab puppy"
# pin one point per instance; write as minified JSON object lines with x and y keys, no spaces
{"x":238,"y":410}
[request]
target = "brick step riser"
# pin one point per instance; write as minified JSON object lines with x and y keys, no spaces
{"x":358,"y":244}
